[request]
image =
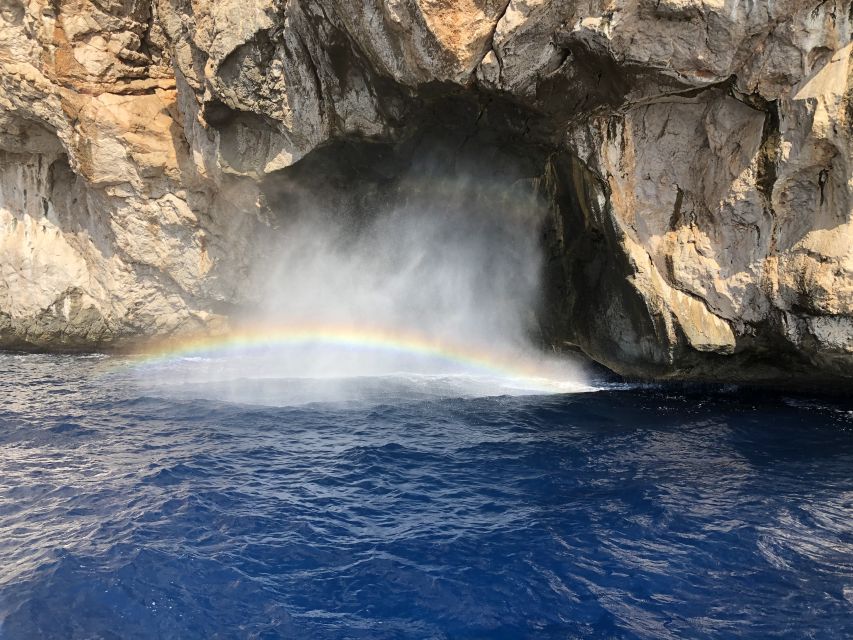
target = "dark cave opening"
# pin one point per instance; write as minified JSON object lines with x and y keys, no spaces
{"x":502,"y":156}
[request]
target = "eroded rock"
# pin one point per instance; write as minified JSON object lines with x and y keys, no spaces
{"x":696,"y":157}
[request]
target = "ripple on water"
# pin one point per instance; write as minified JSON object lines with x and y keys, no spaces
{"x":626,"y":513}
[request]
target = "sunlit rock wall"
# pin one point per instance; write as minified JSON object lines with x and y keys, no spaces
{"x":695,"y":157}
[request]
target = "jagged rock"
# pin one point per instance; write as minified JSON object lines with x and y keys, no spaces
{"x":695,"y":155}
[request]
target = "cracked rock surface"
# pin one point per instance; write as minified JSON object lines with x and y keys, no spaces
{"x":694,"y":155}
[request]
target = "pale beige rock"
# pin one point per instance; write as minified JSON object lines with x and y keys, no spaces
{"x":707,"y":144}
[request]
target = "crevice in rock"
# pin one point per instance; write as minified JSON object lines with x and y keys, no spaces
{"x":686,"y":94}
{"x":822,"y":178}
{"x":676,"y":218}
{"x":490,"y":41}
{"x":767,"y":159}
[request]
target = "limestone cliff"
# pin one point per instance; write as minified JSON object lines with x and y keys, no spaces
{"x":695,"y":157}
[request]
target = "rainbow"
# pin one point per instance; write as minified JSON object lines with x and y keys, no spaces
{"x":394,"y":341}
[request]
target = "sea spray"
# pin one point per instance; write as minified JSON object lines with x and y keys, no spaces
{"x":440,"y":279}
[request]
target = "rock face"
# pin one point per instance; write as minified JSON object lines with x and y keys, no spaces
{"x":695,"y":157}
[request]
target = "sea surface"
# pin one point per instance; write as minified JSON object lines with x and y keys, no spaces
{"x":417,"y":507}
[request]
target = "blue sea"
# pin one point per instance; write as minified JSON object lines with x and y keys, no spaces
{"x":416,"y":507}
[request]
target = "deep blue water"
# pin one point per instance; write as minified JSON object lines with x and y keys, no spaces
{"x":625,"y":513}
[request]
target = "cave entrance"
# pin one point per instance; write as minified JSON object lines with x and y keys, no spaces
{"x":478,"y":198}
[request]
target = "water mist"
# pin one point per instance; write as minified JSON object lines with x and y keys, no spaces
{"x":431,"y":291}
